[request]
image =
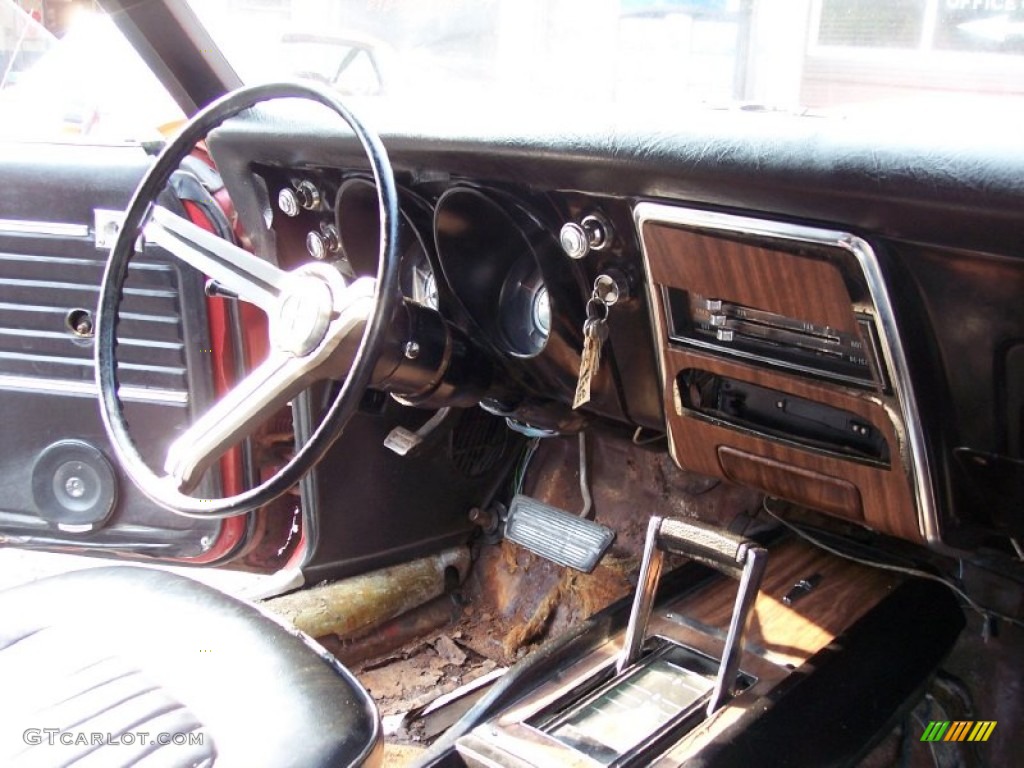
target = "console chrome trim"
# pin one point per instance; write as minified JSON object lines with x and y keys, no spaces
{"x":46,"y":228}
{"x":888,"y":332}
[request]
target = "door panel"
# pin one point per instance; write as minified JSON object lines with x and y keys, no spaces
{"x":60,"y":486}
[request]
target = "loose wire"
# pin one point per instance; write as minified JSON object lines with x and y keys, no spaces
{"x":524,"y":465}
{"x":985,"y":613}
{"x":647,"y":440}
{"x":588,"y":500}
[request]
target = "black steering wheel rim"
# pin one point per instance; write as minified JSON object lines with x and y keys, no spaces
{"x":158,"y":488}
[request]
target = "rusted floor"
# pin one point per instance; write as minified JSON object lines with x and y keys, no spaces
{"x":514,"y":600}
{"x":419,"y":673}
{"x":520,"y":599}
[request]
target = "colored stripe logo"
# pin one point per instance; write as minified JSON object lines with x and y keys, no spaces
{"x":958,"y":730}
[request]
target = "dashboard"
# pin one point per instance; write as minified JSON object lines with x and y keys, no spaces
{"x":797,"y":304}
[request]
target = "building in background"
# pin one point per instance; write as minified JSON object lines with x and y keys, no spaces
{"x":56,"y":15}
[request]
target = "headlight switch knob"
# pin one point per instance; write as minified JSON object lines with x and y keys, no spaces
{"x":592,"y":233}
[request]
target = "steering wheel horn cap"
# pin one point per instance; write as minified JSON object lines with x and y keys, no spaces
{"x":302,"y":316}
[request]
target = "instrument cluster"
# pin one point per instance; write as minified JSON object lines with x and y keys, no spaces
{"x":491,"y":263}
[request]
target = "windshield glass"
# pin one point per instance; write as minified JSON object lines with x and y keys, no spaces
{"x":821,"y":57}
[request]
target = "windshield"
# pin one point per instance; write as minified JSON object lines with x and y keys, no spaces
{"x":821,"y":57}
{"x":74,"y":78}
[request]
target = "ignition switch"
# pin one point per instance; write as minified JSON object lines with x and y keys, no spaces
{"x":611,"y":287}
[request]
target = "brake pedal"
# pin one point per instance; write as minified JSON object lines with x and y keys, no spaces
{"x":557,"y":535}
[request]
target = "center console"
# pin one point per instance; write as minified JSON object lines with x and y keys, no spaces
{"x":815,"y":676}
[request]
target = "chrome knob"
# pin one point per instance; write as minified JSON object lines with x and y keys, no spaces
{"x":574,"y":240}
{"x":288,"y":202}
{"x":599,"y":231}
{"x":308,"y":195}
{"x":593,"y":233}
{"x":322,"y":244}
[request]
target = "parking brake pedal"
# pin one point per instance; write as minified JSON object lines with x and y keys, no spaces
{"x":405,"y":442}
{"x":557,"y":535}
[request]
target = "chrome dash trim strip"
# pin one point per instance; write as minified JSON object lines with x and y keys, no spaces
{"x":49,"y":228}
{"x":892,"y":347}
{"x":88,"y":389}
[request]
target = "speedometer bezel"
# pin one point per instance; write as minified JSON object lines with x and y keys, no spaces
{"x":353,"y":229}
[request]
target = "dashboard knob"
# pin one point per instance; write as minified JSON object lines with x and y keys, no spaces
{"x":599,"y":231}
{"x":309,"y":195}
{"x":574,"y":240}
{"x":324,"y":243}
{"x":593,"y":233}
{"x":304,"y":194}
{"x":288,"y":202}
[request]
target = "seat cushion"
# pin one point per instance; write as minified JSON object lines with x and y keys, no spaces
{"x":103,"y":666}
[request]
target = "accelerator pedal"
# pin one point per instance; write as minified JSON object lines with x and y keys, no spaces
{"x":557,"y":535}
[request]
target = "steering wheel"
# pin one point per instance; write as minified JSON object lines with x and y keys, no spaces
{"x":314,"y":317}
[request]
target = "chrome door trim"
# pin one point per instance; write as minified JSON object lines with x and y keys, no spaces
{"x":45,"y":228}
{"x":88,"y":389}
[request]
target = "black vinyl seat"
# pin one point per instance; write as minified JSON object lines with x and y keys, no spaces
{"x":100,"y":667}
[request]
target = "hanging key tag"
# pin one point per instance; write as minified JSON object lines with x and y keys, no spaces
{"x":595,"y":331}
{"x":589,"y":361}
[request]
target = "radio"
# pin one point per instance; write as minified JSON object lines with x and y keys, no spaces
{"x":767,"y":337}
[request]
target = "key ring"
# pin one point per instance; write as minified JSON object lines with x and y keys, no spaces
{"x":597,"y":310}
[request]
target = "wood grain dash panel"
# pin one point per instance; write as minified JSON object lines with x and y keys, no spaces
{"x":796,"y":286}
{"x":887,"y":501}
{"x":804,"y":486}
{"x":792,"y":634}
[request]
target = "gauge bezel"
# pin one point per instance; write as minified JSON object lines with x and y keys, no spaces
{"x":356,"y":212}
{"x":492,"y":265}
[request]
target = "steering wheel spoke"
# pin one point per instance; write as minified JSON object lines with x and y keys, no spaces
{"x":266,"y":389}
{"x":320,"y":326}
{"x":288,"y":370}
{"x":247,"y":276}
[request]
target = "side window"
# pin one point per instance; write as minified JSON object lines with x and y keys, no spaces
{"x":85,"y":84}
